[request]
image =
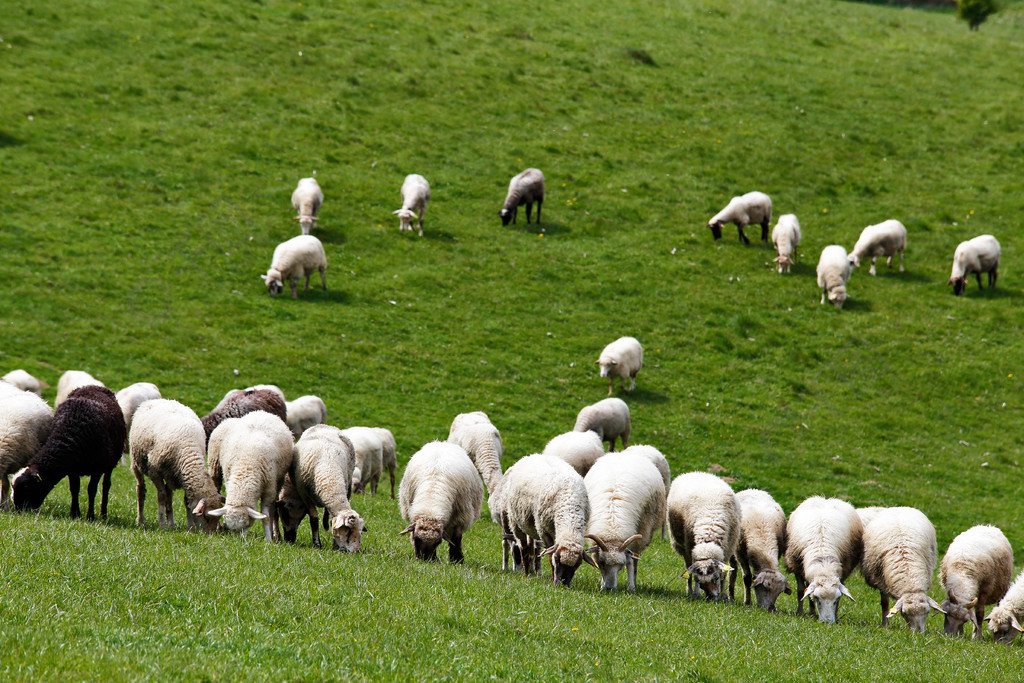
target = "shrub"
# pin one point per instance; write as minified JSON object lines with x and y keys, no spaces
{"x":975,"y":12}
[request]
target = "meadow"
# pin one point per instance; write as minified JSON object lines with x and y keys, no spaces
{"x":147,"y":155}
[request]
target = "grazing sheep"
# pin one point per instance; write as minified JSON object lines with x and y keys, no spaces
{"x":23,"y":381}
{"x":388,"y":457}
{"x":608,"y":418}
{"x":369,"y":458}
{"x":238,"y":403}
{"x":546,"y":500}
{"x":525,"y":188}
{"x":623,"y":358}
{"x":168,"y":445}
{"x":627,"y":503}
{"x":885,"y":239}
{"x":833,"y":272}
{"x":86,"y":439}
{"x":823,"y":546}
{"x":976,"y":569}
{"x":786,"y":237}
{"x":482,"y":443}
{"x":580,"y":449}
{"x":867,"y":514}
{"x":299,"y":257}
{"x":9,"y":390}
{"x":762,"y":543}
{"x":660,"y":462}
{"x":440,"y":497}
{"x":415,"y":196}
{"x":133,"y":396}
{"x":978,"y":255}
{"x":254,"y":453}
{"x":71,"y":380}
{"x":303,"y":413}
{"x":25,"y":423}
{"x":307,"y":199}
{"x":1004,"y":619}
{"x":704,"y":527}
{"x":748,"y":209}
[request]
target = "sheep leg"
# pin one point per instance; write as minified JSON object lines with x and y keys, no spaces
{"x":978,"y":275}
{"x":419,"y":225}
{"x":801,"y":587}
{"x":732,"y":584}
{"x":901,"y":261}
{"x":884,"y":599}
{"x":5,"y":493}
{"x":294,"y":283}
{"x":161,"y":503}
{"x":631,"y":563}
{"x":979,"y":614}
{"x":743,"y":238}
{"x":307,"y":282}
{"x":611,"y":386}
{"x":529,"y":209}
{"x":323,"y":277}
{"x":455,"y":555}
{"x":624,"y":437}
{"x":74,"y":485}
{"x":140,"y":494}
{"x":169,"y":504}
{"x":871,"y":270}
{"x":992,"y":278}
{"x":373,"y":484}
{"x":314,"y":525}
{"x":748,"y":581}
{"x":94,"y":482}
{"x":823,"y":290}
{"x":391,"y":473}
{"x":105,"y":496}
{"x":632,"y":381}
{"x":515,"y":210}
{"x":764,"y":231}
{"x":539,"y":202}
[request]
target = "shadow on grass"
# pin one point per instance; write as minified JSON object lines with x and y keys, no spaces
{"x":329,"y":236}
{"x":8,"y":140}
{"x":996,"y":292}
{"x":885,"y":273}
{"x":547,"y":228}
{"x":641,"y":395}
{"x":855,"y":305}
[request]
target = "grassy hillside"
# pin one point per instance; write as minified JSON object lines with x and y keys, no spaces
{"x":147,"y":155}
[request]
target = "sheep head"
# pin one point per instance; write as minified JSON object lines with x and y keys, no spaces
{"x":837,"y":296}
{"x":274,"y":281}
{"x":405,"y":217}
{"x":203,"y":518}
{"x":709,"y":576}
{"x":1004,"y":625}
{"x":291,"y":512}
{"x":959,"y":285}
{"x":915,"y":608}
{"x":427,"y":534}
{"x":237,"y":517}
{"x":768,"y":585}
{"x":716,"y":229}
{"x":783,"y":261}
{"x":506,"y":216}
{"x":348,"y":530}
{"x":306,"y":222}
{"x":610,"y":561}
{"x":854,"y":260}
{"x":826,"y":592}
{"x":957,"y":615}
{"x":606,"y":365}
{"x":566,"y":558}
{"x":30,"y":489}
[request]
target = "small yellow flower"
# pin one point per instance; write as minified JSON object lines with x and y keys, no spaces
{"x":575,"y":629}
{"x":824,"y":210}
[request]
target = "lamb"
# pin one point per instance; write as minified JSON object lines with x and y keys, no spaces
{"x":303,"y":413}
{"x":525,"y":188}
{"x":71,"y":380}
{"x":86,"y":439}
{"x":899,"y":560}
{"x":1004,"y":619}
{"x":545,"y":499}
{"x":440,"y":497}
{"x":25,"y":423}
{"x":254,"y":453}
{"x":307,"y":199}
{"x":885,"y":239}
{"x":627,"y":504}
{"x":580,"y":449}
{"x":823,"y":546}
{"x":976,"y":569}
{"x":608,"y":418}
{"x":660,"y":462}
{"x":388,"y":457}
{"x":623,"y":358}
{"x":321,"y":475}
{"x":833,"y":272}
{"x":167,"y":444}
{"x":978,"y":255}
{"x":786,"y":237}
{"x":704,"y":527}
{"x":415,"y":196}
{"x":369,"y":458}
{"x":23,"y":381}
{"x":238,"y":403}
{"x":762,"y":542}
{"x":299,"y":257}
{"x":751,"y":208}
{"x":133,"y":396}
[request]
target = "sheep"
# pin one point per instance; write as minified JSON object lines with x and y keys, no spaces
{"x":978,"y":255}
{"x":899,"y":560}
{"x":307,"y":199}
{"x":833,"y":272}
{"x":71,"y":380}
{"x":254,"y":453}
{"x":238,"y":403}
{"x":623,"y":358}
{"x":976,"y":569}
{"x":388,"y":458}
{"x":762,"y":542}
{"x":786,"y":237}
{"x":440,"y":497}
{"x":1004,"y":621}
{"x":23,"y":381}
{"x":608,"y":418}
{"x":751,"y":208}
{"x":525,"y":188}
{"x":823,"y":546}
{"x":25,"y":423}
{"x":546,"y":500}
{"x":303,"y":413}
{"x":8,"y":390}
{"x":369,"y":458}
{"x":885,"y":239}
{"x":299,"y":257}
{"x":867,"y":514}
{"x":481,"y":440}
{"x":167,"y":444}
{"x":130,"y":398}
{"x":580,"y":449}
{"x":627,"y":504}
{"x":415,"y":196}
{"x":321,"y":475}
{"x":86,"y":439}
{"x":660,"y":462}
{"x":704,"y":527}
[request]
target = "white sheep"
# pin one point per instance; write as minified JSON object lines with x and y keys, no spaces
{"x":833,"y":273}
{"x":546,"y":500}
{"x":751,"y":208}
{"x":1004,"y":621}
{"x":440,"y":497}
{"x":888,"y":238}
{"x":369,"y":458}
{"x":627,"y":503}
{"x":786,"y":237}
{"x":525,"y":188}
{"x":704,"y":527}
{"x":867,"y":514}
{"x":304,"y":412}
{"x":976,"y":570}
{"x":824,"y":543}
{"x":133,"y":396}
{"x":167,"y":443}
{"x":978,"y":255}
{"x":389,"y":460}
{"x":297,"y":258}
{"x":307,"y":199}
{"x":762,"y":543}
{"x":7,"y":390}
{"x":71,"y":380}
{"x":660,"y":462}
{"x":476,"y":435}
{"x":25,"y":422}
{"x":580,"y":449}
{"x":415,"y":197}
{"x":899,"y":561}
{"x":623,"y":358}
{"x":608,"y":418}
{"x":23,"y":381}
{"x":254,"y":453}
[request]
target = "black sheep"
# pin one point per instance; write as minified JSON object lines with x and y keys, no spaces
{"x":86,"y":440}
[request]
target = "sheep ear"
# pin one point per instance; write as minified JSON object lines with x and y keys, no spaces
{"x":590,"y":560}
{"x":255,"y":514}
{"x":397,"y":212}
{"x":200,"y":507}
{"x":407,"y":530}
{"x":896,"y":608}
{"x":548,"y":551}
{"x":724,"y":567}
{"x":935,"y":606}
{"x":787,"y":590}
{"x":1016,"y":624}
{"x":219,"y":512}
{"x":972,"y":603}
{"x":807,"y":593}
{"x":297,"y":218}
{"x":844,"y":591}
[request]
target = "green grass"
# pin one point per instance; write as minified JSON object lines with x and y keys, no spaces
{"x":147,"y":155}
